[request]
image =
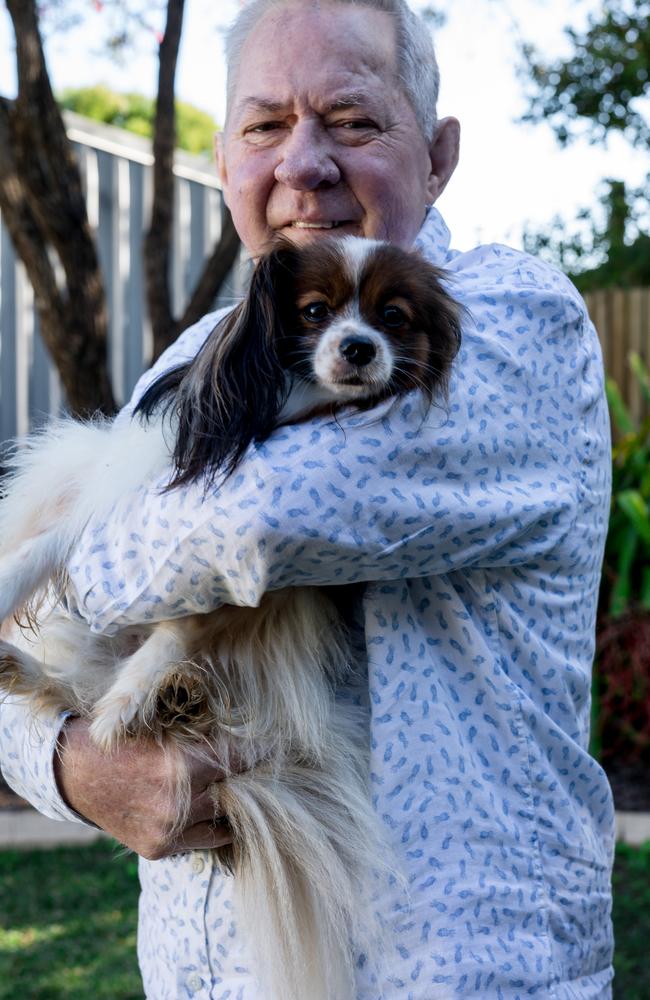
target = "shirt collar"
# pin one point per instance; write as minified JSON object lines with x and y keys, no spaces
{"x":434,"y":238}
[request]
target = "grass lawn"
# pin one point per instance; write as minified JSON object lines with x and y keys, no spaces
{"x":68,"y":919}
{"x":67,"y":924}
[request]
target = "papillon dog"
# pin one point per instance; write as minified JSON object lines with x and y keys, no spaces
{"x":344,"y":323}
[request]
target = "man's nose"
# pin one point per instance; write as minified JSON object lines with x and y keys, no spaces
{"x":307,"y":160}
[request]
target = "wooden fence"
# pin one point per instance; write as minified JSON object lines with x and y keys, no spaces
{"x":622,"y":319}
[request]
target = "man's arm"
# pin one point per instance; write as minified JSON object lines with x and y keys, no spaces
{"x":494,"y":480}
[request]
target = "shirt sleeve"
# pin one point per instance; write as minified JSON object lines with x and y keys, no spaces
{"x":494,"y":476}
{"x":28,"y":744}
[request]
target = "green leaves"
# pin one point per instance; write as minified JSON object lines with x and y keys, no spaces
{"x":600,"y":83}
{"x":626,"y":578}
{"x":194,"y":128}
{"x":635,"y":509}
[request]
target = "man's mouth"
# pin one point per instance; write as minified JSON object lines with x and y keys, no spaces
{"x":297,"y":224}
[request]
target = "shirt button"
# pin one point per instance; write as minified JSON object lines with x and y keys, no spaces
{"x":198,"y":864}
{"x":194,"y":983}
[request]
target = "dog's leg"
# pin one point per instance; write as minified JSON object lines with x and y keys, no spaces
{"x":22,"y":674}
{"x":140,"y":677}
{"x":29,"y":567}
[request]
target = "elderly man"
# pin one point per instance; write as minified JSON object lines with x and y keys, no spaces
{"x":479,"y":536}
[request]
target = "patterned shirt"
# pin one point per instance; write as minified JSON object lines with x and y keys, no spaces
{"x":479,"y":533}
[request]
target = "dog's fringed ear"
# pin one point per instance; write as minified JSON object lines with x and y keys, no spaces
{"x":233,"y":392}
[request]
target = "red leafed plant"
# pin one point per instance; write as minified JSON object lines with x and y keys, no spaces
{"x":623,"y":657}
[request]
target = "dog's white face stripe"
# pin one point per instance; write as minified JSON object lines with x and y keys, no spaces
{"x":357,"y":253}
{"x":329,"y":365}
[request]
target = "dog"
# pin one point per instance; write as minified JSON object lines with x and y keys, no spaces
{"x":343,"y":323}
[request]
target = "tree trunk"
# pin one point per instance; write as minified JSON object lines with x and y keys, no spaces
{"x":42,"y":201}
{"x":157,"y":248}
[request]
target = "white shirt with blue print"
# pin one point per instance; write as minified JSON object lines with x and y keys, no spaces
{"x":479,"y":533}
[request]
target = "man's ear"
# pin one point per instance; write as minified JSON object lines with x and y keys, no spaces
{"x":220,"y":159}
{"x":443,"y":151}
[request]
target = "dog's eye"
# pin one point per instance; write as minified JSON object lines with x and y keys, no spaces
{"x":315,"y":312}
{"x":393,"y":317}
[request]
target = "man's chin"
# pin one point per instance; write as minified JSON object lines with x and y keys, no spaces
{"x":302,"y":236}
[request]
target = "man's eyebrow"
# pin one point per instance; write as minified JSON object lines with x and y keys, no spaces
{"x":347,"y":101}
{"x":259,"y":104}
{"x":265,"y":104}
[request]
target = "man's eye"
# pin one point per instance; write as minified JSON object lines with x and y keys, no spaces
{"x":393,"y":317}
{"x":357,"y":123}
{"x":263,"y":127}
{"x":315,"y":312}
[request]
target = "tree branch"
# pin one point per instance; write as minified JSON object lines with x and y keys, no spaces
{"x":157,"y":250}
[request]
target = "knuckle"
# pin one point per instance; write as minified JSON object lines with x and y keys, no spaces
{"x":152,"y":851}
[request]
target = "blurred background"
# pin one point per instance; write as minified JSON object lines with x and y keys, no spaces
{"x":114,"y":237}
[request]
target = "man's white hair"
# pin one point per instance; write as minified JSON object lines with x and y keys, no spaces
{"x":417,"y":67}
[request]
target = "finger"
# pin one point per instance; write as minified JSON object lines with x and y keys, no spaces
{"x":204,"y":773}
{"x":202,"y":836}
{"x":203,"y":807}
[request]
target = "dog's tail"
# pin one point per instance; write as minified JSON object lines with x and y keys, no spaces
{"x":306,"y":855}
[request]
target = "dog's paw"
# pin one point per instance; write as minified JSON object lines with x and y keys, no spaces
{"x":113,"y":717}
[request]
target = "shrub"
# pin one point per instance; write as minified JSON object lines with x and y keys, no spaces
{"x":622,"y":686}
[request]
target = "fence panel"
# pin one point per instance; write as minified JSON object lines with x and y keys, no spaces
{"x":116,"y":169}
{"x":622,"y":319}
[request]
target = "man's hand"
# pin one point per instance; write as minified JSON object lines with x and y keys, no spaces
{"x":128,"y":794}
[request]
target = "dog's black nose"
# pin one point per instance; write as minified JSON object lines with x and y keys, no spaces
{"x":358,"y":351}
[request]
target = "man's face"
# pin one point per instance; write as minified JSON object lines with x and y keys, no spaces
{"x":320,"y":138}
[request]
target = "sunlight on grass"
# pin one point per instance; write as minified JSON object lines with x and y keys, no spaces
{"x":68,"y":924}
{"x":16,"y":939}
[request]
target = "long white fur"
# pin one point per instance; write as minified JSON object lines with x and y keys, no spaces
{"x":307,"y":845}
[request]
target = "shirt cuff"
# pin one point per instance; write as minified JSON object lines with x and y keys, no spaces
{"x":28,"y":743}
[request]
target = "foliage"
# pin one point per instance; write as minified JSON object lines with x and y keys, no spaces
{"x":602,"y":87}
{"x":631,"y":914}
{"x":194,"y":128}
{"x":622,"y":683}
{"x":613,"y":254}
{"x":68,"y":923}
{"x":622,"y":674}
{"x":627,"y":553}
{"x":603,"y":82}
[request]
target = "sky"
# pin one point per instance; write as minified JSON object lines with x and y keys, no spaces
{"x":510,"y":176}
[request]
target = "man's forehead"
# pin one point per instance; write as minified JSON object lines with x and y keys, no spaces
{"x":296,"y":50}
